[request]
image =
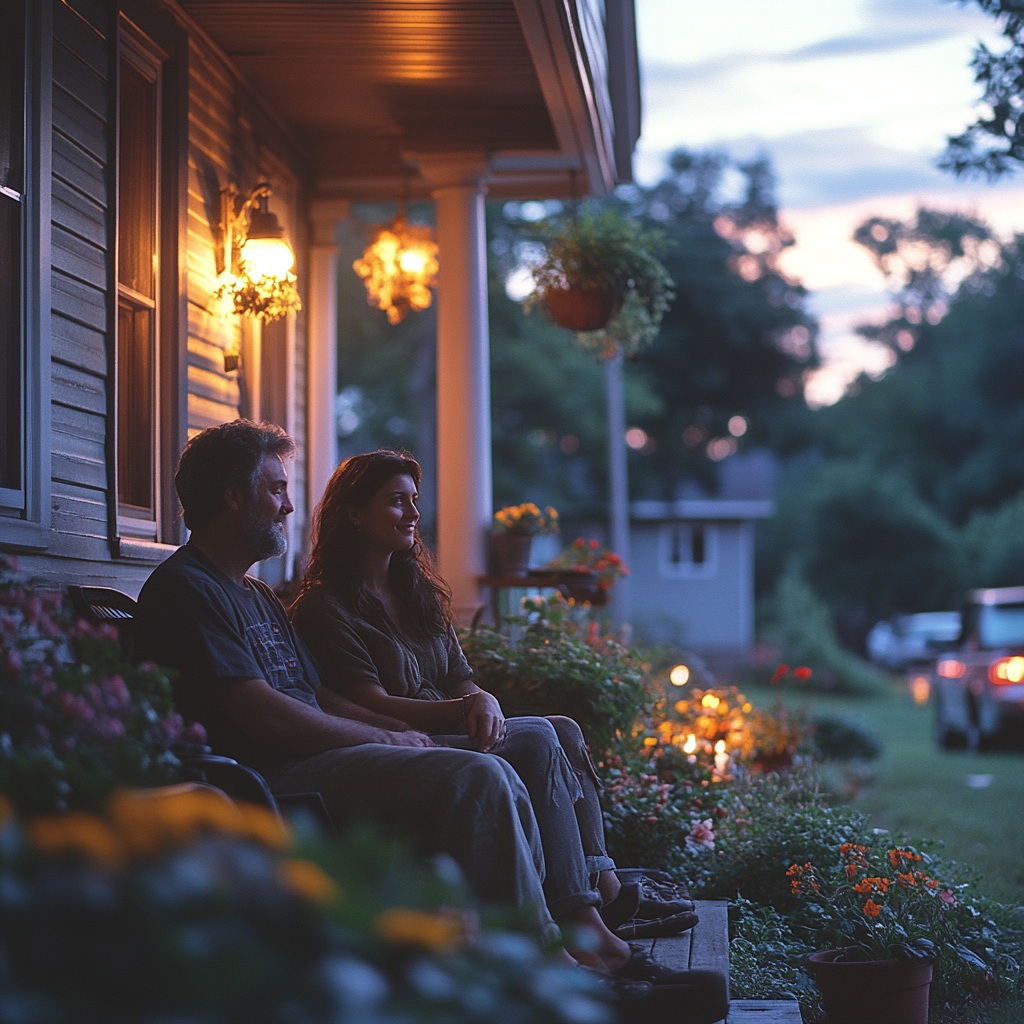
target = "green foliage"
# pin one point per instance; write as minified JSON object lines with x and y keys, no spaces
{"x":600,"y":248}
{"x":993,"y":546}
{"x":549,"y":661}
{"x":840,"y":739}
{"x":78,"y":720}
{"x":765,"y":957}
{"x":220,"y":928}
{"x":799,"y":624}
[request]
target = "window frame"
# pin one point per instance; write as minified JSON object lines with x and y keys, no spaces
{"x":688,"y":570}
{"x":25,"y":517}
{"x":131,"y":528}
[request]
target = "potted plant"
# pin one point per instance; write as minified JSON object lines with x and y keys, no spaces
{"x":512,"y":535}
{"x":590,"y":570}
{"x":601,"y":276}
{"x":888,"y":921}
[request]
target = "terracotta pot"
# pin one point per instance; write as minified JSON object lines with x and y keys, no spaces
{"x":879,"y":991}
{"x":511,"y":553}
{"x":582,"y":309}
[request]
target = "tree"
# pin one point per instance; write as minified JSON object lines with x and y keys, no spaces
{"x":737,"y":340}
{"x":994,"y":144}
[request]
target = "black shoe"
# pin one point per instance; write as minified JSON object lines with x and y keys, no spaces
{"x":641,"y":912}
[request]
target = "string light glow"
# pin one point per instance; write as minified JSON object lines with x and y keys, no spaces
{"x":399,"y":267}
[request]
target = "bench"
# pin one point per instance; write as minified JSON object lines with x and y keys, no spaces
{"x":706,"y":947}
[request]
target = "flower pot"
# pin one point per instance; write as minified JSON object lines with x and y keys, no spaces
{"x":510,"y":553}
{"x":582,"y":309}
{"x":879,"y":991}
{"x":583,"y":586}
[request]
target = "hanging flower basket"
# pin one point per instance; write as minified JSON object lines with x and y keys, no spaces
{"x":582,"y":309}
{"x":511,"y":553}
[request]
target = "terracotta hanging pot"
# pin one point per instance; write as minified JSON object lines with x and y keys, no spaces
{"x":879,"y":991}
{"x":511,"y":553}
{"x":582,"y":309}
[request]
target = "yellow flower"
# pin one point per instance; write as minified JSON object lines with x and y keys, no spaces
{"x":406,"y":927}
{"x":76,"y":832}
{"x":309,"y":880}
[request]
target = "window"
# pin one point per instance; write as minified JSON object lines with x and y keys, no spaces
{"x":688,"y":551}
{"x":13,"y":124}
{"x":138,"y":410}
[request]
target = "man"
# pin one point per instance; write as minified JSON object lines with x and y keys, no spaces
{"x":245,"y":675}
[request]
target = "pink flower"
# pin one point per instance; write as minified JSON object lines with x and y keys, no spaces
{"x":702,"y":835}
{"x":195,"y":733}
{"x":948,"y":897}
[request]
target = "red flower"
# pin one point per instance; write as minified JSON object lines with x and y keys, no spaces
{"x":872,"y":909}
{"x":802,"y":672}
{"x":779,"y":673}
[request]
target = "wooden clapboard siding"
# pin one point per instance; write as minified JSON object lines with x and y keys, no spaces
{"x":81,"y":278}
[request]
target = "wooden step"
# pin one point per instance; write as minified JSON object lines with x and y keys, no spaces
{"x":706,"y":948}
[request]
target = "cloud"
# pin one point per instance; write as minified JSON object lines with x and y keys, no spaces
{"x":846,"y":46}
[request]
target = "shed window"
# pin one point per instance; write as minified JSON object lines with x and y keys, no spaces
{"x":688,"y":551}
{"x":137,"y":275}
{"x":12,"y":205}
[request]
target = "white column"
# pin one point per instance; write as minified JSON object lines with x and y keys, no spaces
{"x":322,"y":364}
{"x":464,"y":498}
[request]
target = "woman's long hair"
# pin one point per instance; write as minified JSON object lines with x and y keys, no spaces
{"x":335,"y":561}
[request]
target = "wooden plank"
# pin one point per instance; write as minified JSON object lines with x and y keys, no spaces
{"x":77,"y":168}
{"x":83,"y":428}
{"x":79,"y":214}
{"x":78,"y":390}
{"x":78,"y":258}
{"x":78,"y":470}
{"x":77,"y":301}
{"x":710,"y":945}
{"x":78,"y":80}
{"x":764,"y":1011}
{"x":80,"y":37}
{"x":77,"y":345}
{"x":78,"y":510}
{"x":674,"y":952}
{"x":95,"y":12}
{"x":203,"y":413}
{"x":215,"y":386}
{"x":78,"y":123}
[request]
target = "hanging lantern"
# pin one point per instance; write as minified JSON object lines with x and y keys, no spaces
{"x":399,"y":267}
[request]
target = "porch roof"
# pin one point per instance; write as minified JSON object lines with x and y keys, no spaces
{"x":542,"y":87}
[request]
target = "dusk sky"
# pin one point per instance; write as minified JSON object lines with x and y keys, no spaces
{"x":852,"y":100}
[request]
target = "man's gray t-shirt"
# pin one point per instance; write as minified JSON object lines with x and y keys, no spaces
{"x":193,"y":618}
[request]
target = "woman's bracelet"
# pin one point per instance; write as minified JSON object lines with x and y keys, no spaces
{"x":465,"y":705}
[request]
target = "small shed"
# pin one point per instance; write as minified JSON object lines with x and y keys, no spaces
{"x":692,"y":572}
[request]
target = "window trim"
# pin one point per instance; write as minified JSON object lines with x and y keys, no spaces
{"x":29,"y":529}
{"x":705,"y":570}
{"x":148,"y":59}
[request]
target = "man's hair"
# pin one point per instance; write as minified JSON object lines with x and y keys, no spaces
{"x":225,"y":456}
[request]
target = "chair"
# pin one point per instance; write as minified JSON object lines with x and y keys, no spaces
{"x":101,"y":606}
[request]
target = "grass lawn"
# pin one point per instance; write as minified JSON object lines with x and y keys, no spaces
{"x":927,"y":792}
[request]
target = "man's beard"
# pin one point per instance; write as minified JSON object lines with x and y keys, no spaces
{"x":265,"y":539}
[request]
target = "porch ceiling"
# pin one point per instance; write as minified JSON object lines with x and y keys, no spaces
{"x":360,"y":82}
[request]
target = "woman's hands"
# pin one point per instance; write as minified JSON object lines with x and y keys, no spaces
{"x":485,"y":720}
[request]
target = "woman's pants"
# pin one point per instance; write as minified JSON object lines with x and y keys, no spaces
{"x":550,"y":756}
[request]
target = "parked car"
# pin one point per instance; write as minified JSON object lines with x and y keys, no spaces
{"x":913,"y":639}
{"x":979,"y":686}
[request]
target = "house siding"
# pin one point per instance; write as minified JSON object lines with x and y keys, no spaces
{"x":228,"y":138}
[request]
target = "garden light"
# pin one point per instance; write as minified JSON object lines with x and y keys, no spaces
{"x":919,"y":689}
{"x":679,"y":676}
{"x":690,"y":746}
{"x":709,"y":700}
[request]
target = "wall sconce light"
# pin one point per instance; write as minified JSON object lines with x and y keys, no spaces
{"x":253,"y":259}
{"x":399,"y":267}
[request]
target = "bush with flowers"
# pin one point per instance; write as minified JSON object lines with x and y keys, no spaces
{"x":553,"y":659}
{"x":178,"y":904}
{"x":526,"y":519}
{"x":76,"y":719}
{"x":588,"y":556}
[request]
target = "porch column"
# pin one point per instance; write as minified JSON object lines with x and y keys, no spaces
{"x":322,"y":364}
{"x":463,"y":376}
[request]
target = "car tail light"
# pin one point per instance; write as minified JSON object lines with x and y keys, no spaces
{"x":951,"y":668}
{"x":1007,"y":670}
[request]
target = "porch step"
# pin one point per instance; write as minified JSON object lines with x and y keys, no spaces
{"x":706,"y":947}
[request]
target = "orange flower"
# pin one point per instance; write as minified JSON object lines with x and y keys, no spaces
{"x":872,"y":909}
{"x":851,"y":870}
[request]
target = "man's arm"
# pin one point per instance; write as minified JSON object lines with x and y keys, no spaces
{"x":341,"y":707}
{"x":277,"y":722}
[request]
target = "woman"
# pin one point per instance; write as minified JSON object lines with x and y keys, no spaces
{"x":376,"y":614}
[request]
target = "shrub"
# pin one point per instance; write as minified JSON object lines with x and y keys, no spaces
{"x":78,"y":720}
{"x":839,"y":739}
{"x":548,"y":661}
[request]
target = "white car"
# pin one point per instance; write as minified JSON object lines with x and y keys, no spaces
{"x":909,"y":639}
{"x":979,"y":686}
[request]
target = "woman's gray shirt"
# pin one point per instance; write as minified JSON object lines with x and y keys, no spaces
{"x":353,"y":651}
